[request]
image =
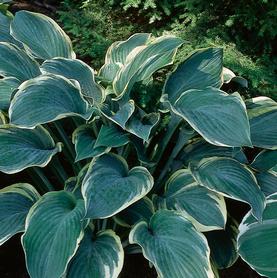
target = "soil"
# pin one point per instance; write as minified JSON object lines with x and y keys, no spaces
{"x":135,"y":266}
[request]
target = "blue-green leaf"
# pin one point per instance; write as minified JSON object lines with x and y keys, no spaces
{"x":7,"y":86}
{"x":99,"y":256}
{"x":232,"y":179}
{"x":111,"y":136}
{"x":262,"y":113}
{"x":143,"y":61}
{"x":257,"y":241}
{"x":41,"y":35}
{"x":23,"y":148}
{"x":202,"y":69}
{"x":220,"y":118}
{"x":200,"y":149}
{"x":78,"y":70}
{"x":45,"y":99}
{"x":265,"y":160}
{"x":109,"y":187}
{"x":14,"y":62}
{"x":85,"y":143}
{"x":54,"y":230}
{"x":204,"y":208}
{"x":121,"y":115}
{"x":173,"y":245}
{"x":15,"y":202}
{"x":268,"y":182}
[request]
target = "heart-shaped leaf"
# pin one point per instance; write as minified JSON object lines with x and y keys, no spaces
{"x":45,"y":99}
{"x":7,"y":86}
{"x":15,"y":202}
{"x":111,"y":136}
{"x":78,"y":70}
{"x":98,"y":256}
{"x":173,"y":245}
{"x":202,"y":69}
{"x":121,"y":115}
{"x":141,"y":124}
{"x":257,"y":241}
{"x":140,"y":210}
{"x":43,"y":37}
{"x":232,"y":179}
{"x":85,"y":143}
{"x":220,"y":118}
{"x":204,"y":208}
{"x":262,"y":113}
{"x":54,"y":229}
{"x":23,"y":148}
{"x":223,"y":245}
{"x":14,"y":62}
{"x":109,"y":187}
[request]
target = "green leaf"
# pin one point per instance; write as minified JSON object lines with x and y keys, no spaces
{"x":121,"y":115}
{"x":45,"y":99}
{"x":14,"y":62}
{"x":220,"y":118}
{"x":7,"y":86}
{"x":85,"y":143}
{"x":268,"y":182}
{"x":232,"y":179}
{"x":109,"y":187}
{"x":42,"y":36}
{"x":53,"y":232}
{"x":262,"y":113}
{"x":257,"y":241}
{"x":98,"y":256}
{"x":200,"y":149}
{"x":265,"y":160}
{"x":23,"y":148}
{"x":119,"y":51}
{"x":202,"y":69}
{"x":223,"y":245}
{"x":141,"y":124}
{"x":140,"y":210}
{"x":204,"y":208}
{"x":173,"y":246}
{"x":77,"y":70}
{"x":5,"y":35}
{"x":111,"y":136}
{"x":143,"y":61}
{"x":15,"y":202}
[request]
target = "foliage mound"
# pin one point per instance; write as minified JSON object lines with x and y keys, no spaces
{"x":114,"y":175}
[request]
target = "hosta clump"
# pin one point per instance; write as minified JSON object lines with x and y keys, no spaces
{"x":123,"y":180}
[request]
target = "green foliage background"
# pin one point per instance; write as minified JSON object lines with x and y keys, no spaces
{"x":245,"y":29}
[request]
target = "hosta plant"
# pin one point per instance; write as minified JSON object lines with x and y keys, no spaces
{"x":111,"y":175}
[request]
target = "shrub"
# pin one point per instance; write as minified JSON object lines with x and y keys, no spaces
{"x":93,"y":28}
{"x":142,"y":182}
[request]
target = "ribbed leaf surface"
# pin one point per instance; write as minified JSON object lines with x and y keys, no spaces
{"x":53,"y":232}
{"x":232,"y":179}
{"x":99,"y":256}
{"x":43,"y":37}
{"x":23,"y":148}
{"x":15,"y":202}
{"x":173,"y":245}
{"x":45,"y":99}
{"x":109,"y":187}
